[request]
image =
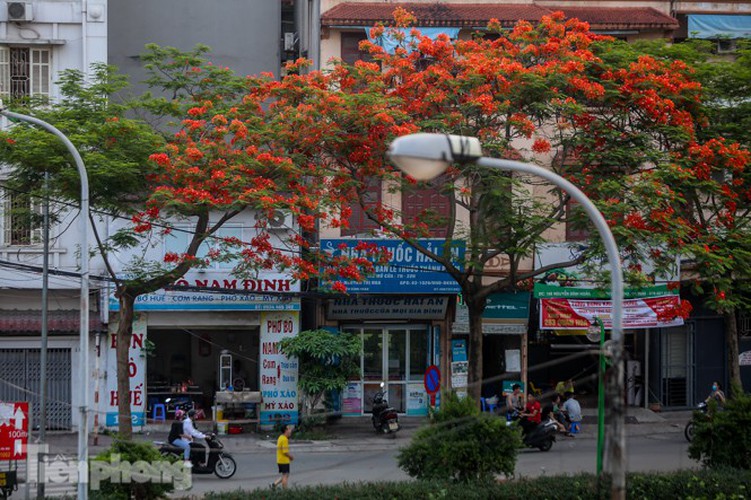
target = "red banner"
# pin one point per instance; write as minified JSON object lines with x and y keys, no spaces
{"x":14,"y":430}
{"x":571,"y":314}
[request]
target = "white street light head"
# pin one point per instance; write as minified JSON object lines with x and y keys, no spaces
{"x":426,"y":156}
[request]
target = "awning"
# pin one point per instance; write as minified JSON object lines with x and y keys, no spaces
{"x":389,"y":43}
{"x":58,"y":322}
{"x":718,"y":26}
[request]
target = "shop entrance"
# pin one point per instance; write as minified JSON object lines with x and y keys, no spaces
{"x":396,"y":356}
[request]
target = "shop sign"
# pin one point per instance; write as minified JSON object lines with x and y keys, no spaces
{"x":384,"y":308}
{"x":458,"y":350}
{"x":14,"y":430}
{"x":459,"y":371}
{"x":544,"y":291}
{"x":278,"y":373}
{"x":505,"y":314}
{"x":136,"y":374}
{"x":417,"y":400}
{"x":352,"y":399}
{"x":407,"y":272}
{"x":220,"y":291}
{"x":570,"y":314}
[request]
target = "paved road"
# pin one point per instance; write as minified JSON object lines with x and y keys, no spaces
{"x":659,"y":452}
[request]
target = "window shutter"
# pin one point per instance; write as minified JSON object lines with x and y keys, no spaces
{"x":40,"y":72}
{"x":359,"y":222}
{"x":36,"y":227}
{"x":4,"y":71}
{"x":428,"y":197}
{"x":5,"y":222}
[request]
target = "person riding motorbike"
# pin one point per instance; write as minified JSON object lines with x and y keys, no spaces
{"x":531,"y":416}
{"x":716,"y":394}
{"x":182,"y":434}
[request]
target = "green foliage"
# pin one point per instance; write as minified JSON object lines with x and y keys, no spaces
{"x":722,"y":438}
{"x":128,"y":456}
{"x":113,"y":147}
{"x":326,"y":361}
{"x":702,"y":484}
{"x":461,"y":445}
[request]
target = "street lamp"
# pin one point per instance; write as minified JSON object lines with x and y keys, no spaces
{"x":597,"y":329}
{"x":426,"y":156}
{"x":83,"y":443}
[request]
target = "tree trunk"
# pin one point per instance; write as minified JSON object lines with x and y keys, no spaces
{"x":474,"y":354}
{"x":124,"y":337}
{"x":731,"y":338}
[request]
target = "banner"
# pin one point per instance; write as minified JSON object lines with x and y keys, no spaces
{"x":136,"y":372}
{"x":570,"y":314}
{"x":278,"y":373}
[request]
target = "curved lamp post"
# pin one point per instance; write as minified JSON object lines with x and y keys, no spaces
{"x":83,"y":443}
{"x":426,"y":156}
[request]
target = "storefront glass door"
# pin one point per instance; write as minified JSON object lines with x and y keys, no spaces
{"x":394,"y":356}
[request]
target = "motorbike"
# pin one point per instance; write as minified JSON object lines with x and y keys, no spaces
{"x":385,"y":418}
{"x":219,"y":462}
{"x":541,"y":436}
{"x":689,"y":430}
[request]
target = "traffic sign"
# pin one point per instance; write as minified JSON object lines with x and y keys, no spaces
{"x":432,"y":379}
{"x":14,"y":430}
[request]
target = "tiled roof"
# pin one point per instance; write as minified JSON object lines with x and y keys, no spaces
{"x":612,"y":17}
{"x":475,"y":15}
{"x":30,"y":322}
{"x":432,"y":14}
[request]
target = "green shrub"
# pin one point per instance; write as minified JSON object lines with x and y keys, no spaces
{"x":461,"y":445}
{"x":722,"y":438}
{"x":135,"y":470}
{"x":703,"y":484}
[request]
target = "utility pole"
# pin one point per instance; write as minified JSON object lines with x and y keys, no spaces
{"x":41,"y":455}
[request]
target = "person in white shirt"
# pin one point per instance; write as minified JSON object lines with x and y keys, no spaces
{"x":189,"y":432}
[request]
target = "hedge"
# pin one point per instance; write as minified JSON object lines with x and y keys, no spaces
{"x":697,"y":485}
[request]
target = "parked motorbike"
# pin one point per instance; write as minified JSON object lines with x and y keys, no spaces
{"x":689,"y":431}
{"x":219,"y":462}
{"x":385,"y":418}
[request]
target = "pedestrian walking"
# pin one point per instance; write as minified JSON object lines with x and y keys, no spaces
{"x":283,"y":456}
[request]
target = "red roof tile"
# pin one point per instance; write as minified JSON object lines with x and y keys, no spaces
{"x":468,"y":15}
{"x":614,"y":17}
{"x":432,"y":14}
{"x":30,"y":322}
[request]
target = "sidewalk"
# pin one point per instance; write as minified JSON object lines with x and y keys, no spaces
{"x":356,"y":433}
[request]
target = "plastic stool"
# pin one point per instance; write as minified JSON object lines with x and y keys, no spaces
{"x":159,"y":412}
{"x":575,"y":427}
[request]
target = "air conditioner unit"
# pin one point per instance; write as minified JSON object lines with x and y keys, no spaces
{"x":280,"y":220}
{"x":20,"y":12}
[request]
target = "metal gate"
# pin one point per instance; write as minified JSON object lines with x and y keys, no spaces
{"x":19,"y":381}
{"x":678,"y":365}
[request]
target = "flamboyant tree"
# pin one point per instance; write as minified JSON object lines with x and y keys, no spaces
{"x":224,"y":161}
{"x":554,"y":93}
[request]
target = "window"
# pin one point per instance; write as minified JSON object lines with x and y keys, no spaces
{"x":20,"y":219}
{"x":577,"y":229}
{"x":351,"y":47}
{"x":428,"y":197}
{"x":359,"y":222}
{"x":25,"y":72}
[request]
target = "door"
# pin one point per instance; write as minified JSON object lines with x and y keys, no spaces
{"x":677,"y":365}
{"x":19,"y":373}
{"x":396,"y":356}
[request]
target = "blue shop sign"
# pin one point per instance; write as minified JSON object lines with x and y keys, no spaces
{"x":408,"y":271}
